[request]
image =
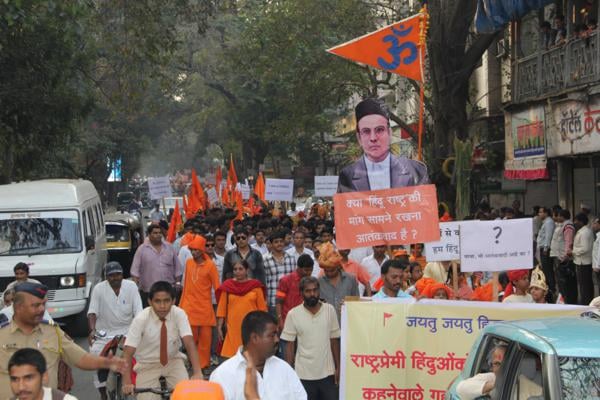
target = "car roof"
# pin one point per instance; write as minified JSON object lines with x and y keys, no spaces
{"x":45,"y":194}
{"x":564,"y":336}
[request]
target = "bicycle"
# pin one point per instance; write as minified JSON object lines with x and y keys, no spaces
{"x":113,"y":380}
{"x":164,"y":391}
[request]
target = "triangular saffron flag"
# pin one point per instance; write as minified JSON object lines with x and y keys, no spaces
{"x":394,"y":48}
{"x":259,"y":188}
{"x":175,"y":224}
{"x":231,"y":174}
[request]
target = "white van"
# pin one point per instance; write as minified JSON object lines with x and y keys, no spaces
{"x":57,"y":228}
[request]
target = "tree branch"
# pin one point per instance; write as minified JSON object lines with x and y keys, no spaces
{"x":221,"y":89}
{"x":475,"y":52}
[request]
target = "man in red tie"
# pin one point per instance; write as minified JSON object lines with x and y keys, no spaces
{"x":155,"y":336}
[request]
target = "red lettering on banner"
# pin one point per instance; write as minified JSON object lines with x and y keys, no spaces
{"x":437,"y":394}
{"x":393,"y":393}
{"x":419,"y":360}
{"x":383,"y":361}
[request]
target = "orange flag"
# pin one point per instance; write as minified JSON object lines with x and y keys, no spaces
{"x":225,"y":194}
{"x":239,"y":205}
{"x":259,"y":188}
{"x":395,"y":48}
{"x":231,"y":175}
{"x":198,"y":192}
{"x":175,"y":224}
{"x":218,"y":179}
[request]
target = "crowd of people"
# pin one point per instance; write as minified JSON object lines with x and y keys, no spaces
{"x":555,"y":34}
{"x":236,"y":292}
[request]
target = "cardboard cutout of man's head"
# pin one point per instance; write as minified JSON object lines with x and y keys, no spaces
{"x":373,"y":129}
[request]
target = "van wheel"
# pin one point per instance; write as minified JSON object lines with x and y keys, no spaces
{"x":77,"y":325}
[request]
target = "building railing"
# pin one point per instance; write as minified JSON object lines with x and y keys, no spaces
{"x":550,"y":72}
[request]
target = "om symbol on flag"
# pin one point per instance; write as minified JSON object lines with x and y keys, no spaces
{"x":397,"y":48}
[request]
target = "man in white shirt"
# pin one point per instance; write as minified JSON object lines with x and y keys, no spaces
{"x":114,"y":304}
{"x":260,"y":244}
{"x":583,"y":245}
{"x":298,"y":249}
{"x":275,"y":378}
{"x":21,"y":271}
{"x":220,"y":239}
{"x":596,"y":248}
{"x":378,"y":168}
{"x":373,"y":264}
{"x":313,"y":325}
{"x":544,"y":240}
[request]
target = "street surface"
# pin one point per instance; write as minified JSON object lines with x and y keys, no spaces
{"x":84,"y":385}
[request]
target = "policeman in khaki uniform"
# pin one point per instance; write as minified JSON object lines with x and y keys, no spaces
{"x":27,"y":329}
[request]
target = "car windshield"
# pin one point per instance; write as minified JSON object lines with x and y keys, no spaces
{"x":580,"y":377}
{"x":43,"y":232}
{"x":117,"y":233}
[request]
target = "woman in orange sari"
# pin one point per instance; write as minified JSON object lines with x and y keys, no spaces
{"x":236,"y":298}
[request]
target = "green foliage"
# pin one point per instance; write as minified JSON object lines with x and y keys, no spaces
{"x":41,"y":90}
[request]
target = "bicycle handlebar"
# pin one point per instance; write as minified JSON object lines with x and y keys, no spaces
{"x":153,"y":390}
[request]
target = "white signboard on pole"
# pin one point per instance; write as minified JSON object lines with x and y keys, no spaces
{"x":448,"y":247}
{"x":279,"y":189}
{"x":159,"y":187}
{"x":496,"y":245}
{"x":213,"y":197}
{"x":245,"y":188}
{"x":326,"y":186}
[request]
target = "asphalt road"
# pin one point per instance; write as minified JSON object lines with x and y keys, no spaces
{"x":84,"y":386}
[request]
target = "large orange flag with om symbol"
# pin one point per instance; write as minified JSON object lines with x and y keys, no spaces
{"x":395,"y":48}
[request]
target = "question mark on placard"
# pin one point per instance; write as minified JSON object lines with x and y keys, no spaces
{"x":498,"y":234}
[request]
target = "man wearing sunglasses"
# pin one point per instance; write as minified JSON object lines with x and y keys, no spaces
{"x":378,"y":168}
{"x":243,"y":251}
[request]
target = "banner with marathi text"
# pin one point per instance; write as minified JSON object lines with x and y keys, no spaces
{"x":403,"y":349}
{"x":390,"y":216}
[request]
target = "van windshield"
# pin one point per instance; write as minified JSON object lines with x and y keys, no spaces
{"x":40,"y":232}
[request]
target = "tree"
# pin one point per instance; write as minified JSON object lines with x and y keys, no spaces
{"x":41,"y":91}
{"x":454,"y":53}
{"x":261,"y":75}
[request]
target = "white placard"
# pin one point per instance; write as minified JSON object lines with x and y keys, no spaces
{"x":159,"y":187}
{"x":213,"y":197}
{"x":448,"y":247}
{"x":496,"y":245}
{"x":245,"y":191}
{"x":326,"y":185}
{"x":279,"y":189}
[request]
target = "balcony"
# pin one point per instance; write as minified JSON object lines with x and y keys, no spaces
{"x":551,"y":72}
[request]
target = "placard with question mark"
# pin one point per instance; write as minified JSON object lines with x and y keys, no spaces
{"x":497,"y":245}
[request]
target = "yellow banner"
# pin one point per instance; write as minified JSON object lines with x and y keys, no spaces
{"x":413,"y":350}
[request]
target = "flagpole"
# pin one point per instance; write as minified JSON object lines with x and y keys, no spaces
{"x":422,"y":43}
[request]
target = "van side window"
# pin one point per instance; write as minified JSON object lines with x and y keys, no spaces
{"x":91,"y":221}
{"x":86,"y":228}
{"x":98,"y":220}
{"x":99,"y":207}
